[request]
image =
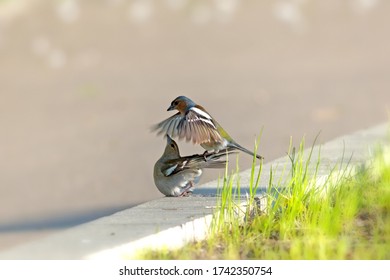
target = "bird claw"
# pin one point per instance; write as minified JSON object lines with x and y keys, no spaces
{"x":187,"y":191}
{"x":185,"y":194}
{"x":206,"y":154}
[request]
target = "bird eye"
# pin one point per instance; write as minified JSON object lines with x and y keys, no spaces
{"x":175,"y":103}
{"x":173,"y":146}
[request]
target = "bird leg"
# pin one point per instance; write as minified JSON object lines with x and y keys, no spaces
{"x":187,"y":191}
{"x":206,"y":154}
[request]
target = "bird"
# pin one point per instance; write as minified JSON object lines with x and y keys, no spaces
{"x":195,"y":124}
{"x":175,"y":175}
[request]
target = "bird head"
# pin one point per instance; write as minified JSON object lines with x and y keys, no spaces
{"x":171,"y":149}
{"x":182,"y":104}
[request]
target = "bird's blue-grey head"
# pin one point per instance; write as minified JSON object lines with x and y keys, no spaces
{"x":181,"y":103}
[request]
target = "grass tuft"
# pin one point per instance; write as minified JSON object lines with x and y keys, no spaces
{"x":344,"y":215}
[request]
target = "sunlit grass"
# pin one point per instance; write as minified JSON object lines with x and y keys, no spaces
{"x":346,"y":216}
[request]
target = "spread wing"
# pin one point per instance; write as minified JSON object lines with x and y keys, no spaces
{"x":169,"y":126}
{"x":196,"y":126}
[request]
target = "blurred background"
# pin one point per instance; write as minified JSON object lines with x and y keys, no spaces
{"x":82,"y":82}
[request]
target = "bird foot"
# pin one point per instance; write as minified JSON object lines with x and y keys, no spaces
{"x":185,"y":194}
{"x":206,"y":154}
{"x":187,"y":191}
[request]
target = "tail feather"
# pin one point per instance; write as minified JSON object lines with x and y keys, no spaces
{"x":241,"y":148}
{"x":212,"y":160}
{"x":215,"y":164}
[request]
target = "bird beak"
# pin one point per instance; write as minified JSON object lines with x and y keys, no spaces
{"x":170,"y":108}
{"x":169,"y":139}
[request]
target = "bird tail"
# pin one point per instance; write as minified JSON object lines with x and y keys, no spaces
{"x":212,"y":160}
{"x":245,"y":150}
{"x":216,"y":164}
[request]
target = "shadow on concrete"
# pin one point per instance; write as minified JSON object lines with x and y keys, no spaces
{"x":215,"y":192}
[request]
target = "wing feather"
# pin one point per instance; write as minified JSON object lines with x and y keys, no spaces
{"x":196,"y":126}
{"x":168,"y":126}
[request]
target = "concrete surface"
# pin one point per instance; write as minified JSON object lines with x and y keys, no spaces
{"x":81,"y":82}
{"x":171,"y":222}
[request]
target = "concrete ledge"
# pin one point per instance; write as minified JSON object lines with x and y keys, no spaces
{"x":171,"y":222}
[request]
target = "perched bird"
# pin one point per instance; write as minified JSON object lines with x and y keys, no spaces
{"x":175,"y":175}
{"x":193,"y":123}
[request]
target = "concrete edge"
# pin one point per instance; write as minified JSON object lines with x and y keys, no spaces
{"x":172,"y":238}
